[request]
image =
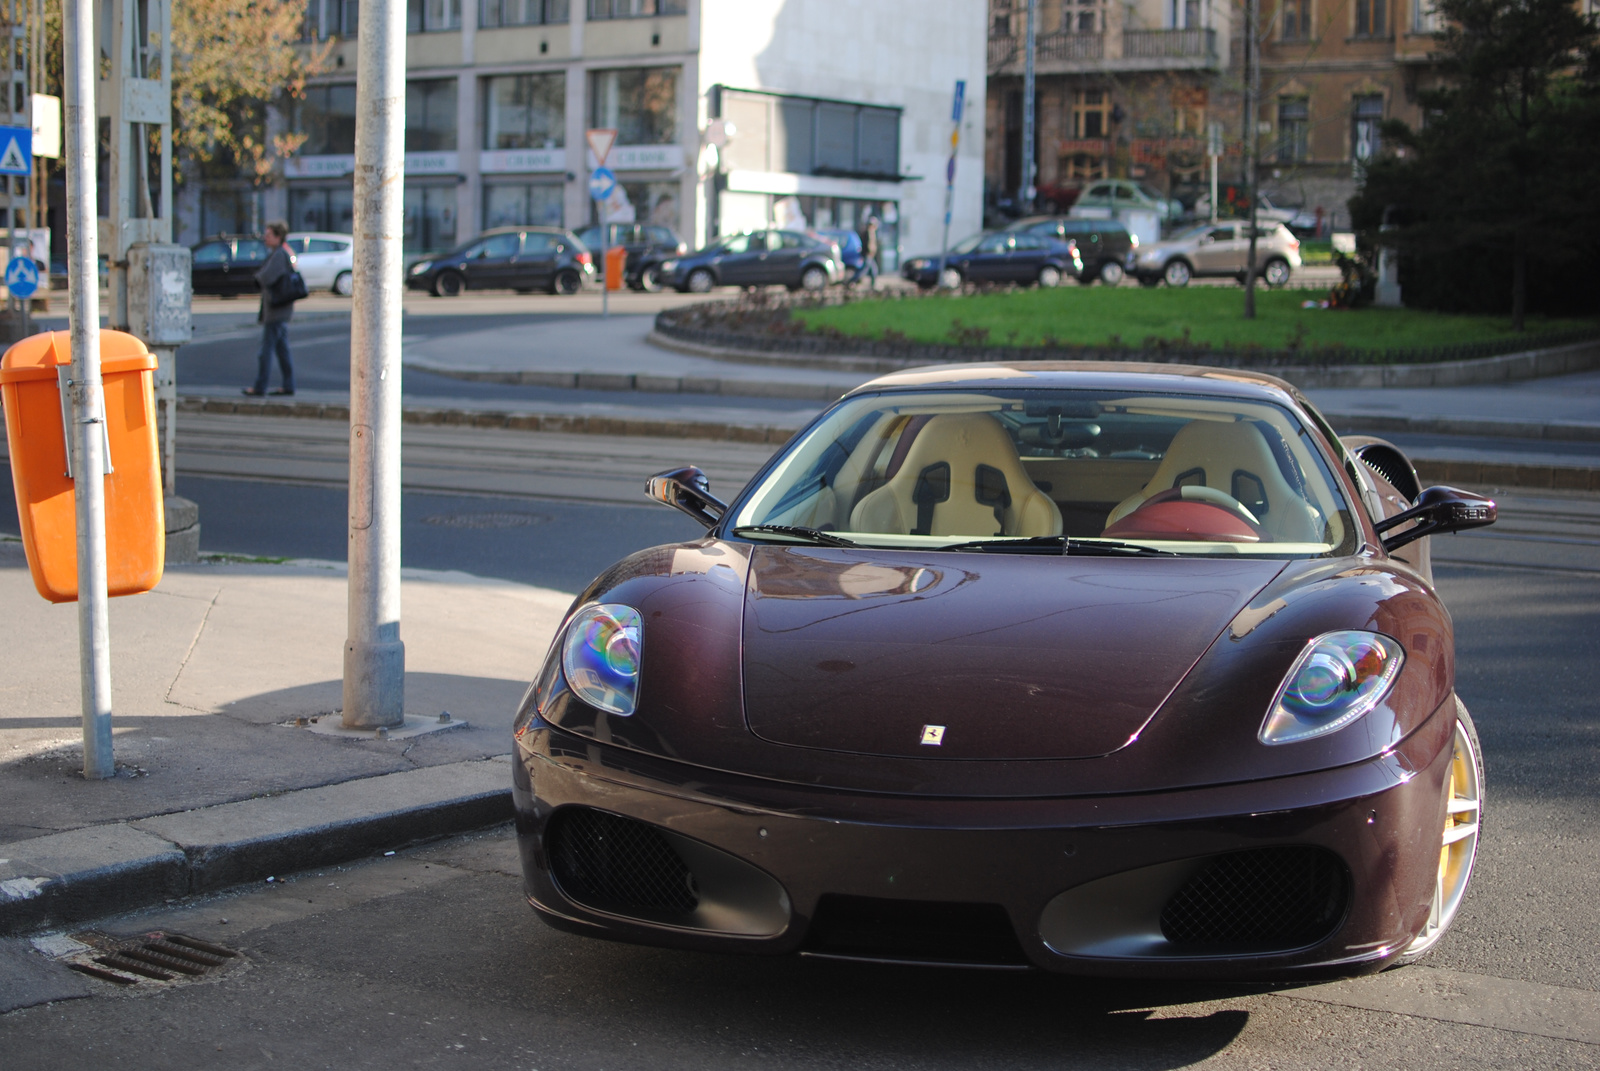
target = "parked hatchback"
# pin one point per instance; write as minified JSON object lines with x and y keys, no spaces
{"x":1125,"y":194}
{"x":647,"y":245}
{"x":999,"y":257}
{"x":1213,"y":249}
{"x":1103,"y":244}
{"x":523,"y":259}
{"x":227,"y":264}
{"x":757,"y":258}
{"x":325,"y":261}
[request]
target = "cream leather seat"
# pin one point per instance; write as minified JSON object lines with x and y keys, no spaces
{"x":961,"y":477}
{"x":1233,"y":458}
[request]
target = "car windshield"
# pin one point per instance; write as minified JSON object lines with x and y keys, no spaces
{"x":1150,"y":192}
{"x":967,"y":245}
{"x":1191,"y":234}
{"x":1181,"y":474}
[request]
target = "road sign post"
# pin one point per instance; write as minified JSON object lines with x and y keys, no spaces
{"x":602,"y":184}
{"x":950,"y":176}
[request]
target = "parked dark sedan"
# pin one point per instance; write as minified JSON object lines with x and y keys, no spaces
{"x":1000,"y":257}
{"x":227,"y":264}
{"x":1096,"y":668}
{"x":523,"y":259}
{"x":647,"y":246}
{"x":1103,"y":244}
{"x":757,"y":258}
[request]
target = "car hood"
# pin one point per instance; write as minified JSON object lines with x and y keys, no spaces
{"x":1008,"y":656}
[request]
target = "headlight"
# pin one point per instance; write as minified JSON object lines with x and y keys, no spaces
{"x":600,"y":656}
{"x":421,"y":266}
{"x":1337,"y":678}
{"x":917,"y":265}
{"x":669,"y":265}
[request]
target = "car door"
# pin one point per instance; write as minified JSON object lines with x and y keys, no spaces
{"x":785,"y":252}
{"x":489,"y":265}
{"x":249,"y":254}
{"x":1026,"y":257}
{"x":210,"y":267}
{"x":536,"y":263}
{"x":1216,"y":251}
{"x":988,"y":262}
{"x":741,"y":262}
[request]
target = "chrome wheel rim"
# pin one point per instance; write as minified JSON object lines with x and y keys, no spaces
{"x":1177,"y":274}
{"x":1111,"y":273}
{"x":1049,"y":277}
{"x":1459,"y":844}
{"x":1277,"y":273}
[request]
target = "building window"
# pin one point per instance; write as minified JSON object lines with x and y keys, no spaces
{"x":1424,"y":17}
{"x":1086,"y":16}
{"x":633,"y":9}
{"x":1366,"y":116}
{"x":1091,"y":114}
{"x":1186,"y":14}
{"x":432,"y":16}
{"x":639,"y":103}
{"x":1189,"y":111}
{"x":522,"y":204}
{"x":344,"y":16}
{"x":1295,"y":20}
{"x":492,"y":13}
{"x":326,"y":115}
{"x":525,"y":111}
{"x":805,"y":136}
{"x":1294,"y":129}
{"x":429,"y":219}
{"x":322,"y":209}
{"x":431,"y":116}
{"x":311,"y":24}
{"x":1372,"y":18}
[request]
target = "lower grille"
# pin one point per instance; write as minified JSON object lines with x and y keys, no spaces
{"x":869,"y":927}
{"x":617,"y":864}
{"x":1267,"y":899}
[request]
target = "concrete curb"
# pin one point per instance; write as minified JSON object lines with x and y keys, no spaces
{"x":84,"y":873}
{"x":1532,"y":364}
{"x":628,"y":381}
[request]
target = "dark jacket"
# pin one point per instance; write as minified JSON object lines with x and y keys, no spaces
{"x":277,"y":266}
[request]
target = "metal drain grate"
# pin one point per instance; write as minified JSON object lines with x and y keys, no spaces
{"x":155,"y":957}
{"x":1267,"y":899}
{"x":506,"y":519}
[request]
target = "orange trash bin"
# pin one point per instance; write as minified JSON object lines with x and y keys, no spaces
{"x":31,"y":375}
{"x":616,"y":267}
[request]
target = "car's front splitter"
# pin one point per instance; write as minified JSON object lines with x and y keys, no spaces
{"x":1085,"y":883}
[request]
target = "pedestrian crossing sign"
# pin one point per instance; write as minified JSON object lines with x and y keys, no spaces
{"x":16,"y":150}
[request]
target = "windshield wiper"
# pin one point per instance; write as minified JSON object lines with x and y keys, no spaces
{"x":809,"y":535}
{"x":1061,"y":545}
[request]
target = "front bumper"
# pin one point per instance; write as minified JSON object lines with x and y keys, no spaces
{"x":1069,"y":873}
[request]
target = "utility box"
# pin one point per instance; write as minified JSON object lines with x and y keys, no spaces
{"x":34,"y":376}
{"x":616,"y":267}
{"x":160,"y":285}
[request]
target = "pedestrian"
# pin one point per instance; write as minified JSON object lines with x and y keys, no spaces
{"x":274,"y":319}
{"x":869,"y":254}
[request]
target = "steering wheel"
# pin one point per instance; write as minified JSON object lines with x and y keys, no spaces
{"x":1211,"y":497}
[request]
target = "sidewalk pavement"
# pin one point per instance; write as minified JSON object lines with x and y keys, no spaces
{"x":215,"y":782}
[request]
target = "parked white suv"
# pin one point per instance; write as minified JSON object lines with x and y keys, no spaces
{"x":326,"y":261}
{"x":1217,"y":249}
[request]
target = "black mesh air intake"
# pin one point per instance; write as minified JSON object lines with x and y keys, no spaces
{"x":1268,"y":899}
{"x":617,"y":864}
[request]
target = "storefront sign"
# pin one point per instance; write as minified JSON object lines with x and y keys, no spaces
{"x":509,"y":161}
{"x":641,"y":158}
{"x":417,"y":163}
{"x":432,"y":163}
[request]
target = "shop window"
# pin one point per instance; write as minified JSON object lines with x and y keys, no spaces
{"x":1294,"y":20}
{"x":639,"y":103}
{"x":429,"y":219}
{"x":431,"y":115}
{"x":432,"y":16}
{"x":633,"y":9}
{"x":322,"y":209}
{"x":654,"y":203}
{"x":525,"y":111}
{"x":522,"y":204}
{"x":1294,"y":129}
{"x":1083,"y":16}
{"x":1091,"y":113}
{"x":1372,"y":18}
{"x":326,"y":115}
{"x":493,"y":13}
{"x":1366,"y":116}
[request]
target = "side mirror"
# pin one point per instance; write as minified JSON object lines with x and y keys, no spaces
{"x":687,"y":489}
{"x":1439,"y":509}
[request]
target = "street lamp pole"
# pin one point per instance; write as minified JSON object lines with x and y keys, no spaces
{"x":1252,"y":117}
{"x":374,"y":656}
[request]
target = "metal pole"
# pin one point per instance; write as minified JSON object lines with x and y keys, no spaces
{"x":88,"y":409}
{"x":956,"y":112}
{"x":1252,"y":108}
{"x":1027,"y":192}
{"x":605,"y":263}
{"x":374,"y":657}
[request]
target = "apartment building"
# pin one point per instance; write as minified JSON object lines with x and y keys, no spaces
{"x":730,"y":114}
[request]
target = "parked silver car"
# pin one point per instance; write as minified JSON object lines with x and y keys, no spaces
{"x":326,"y":261}
{"x":1212,"y":249}
{"x":1124,"y":194}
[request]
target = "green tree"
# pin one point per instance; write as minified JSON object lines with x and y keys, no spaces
{"x":1491,"y":200}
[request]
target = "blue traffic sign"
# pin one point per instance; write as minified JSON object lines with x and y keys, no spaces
{"x":602,"y":183}
{"x":22,"y":277}
{"x":16,"y":150}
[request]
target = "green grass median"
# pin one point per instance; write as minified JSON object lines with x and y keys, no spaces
{"x":1196,"y":316}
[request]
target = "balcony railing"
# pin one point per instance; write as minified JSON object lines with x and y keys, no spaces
{"x":1168,"y":44}
{"x":1062,"y":47}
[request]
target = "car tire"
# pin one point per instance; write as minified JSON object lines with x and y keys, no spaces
{"x":700,"y":281}
{"x":650,"y":279}
{"x":344,"y":284}
{"x":1177,"y":273}
{"x":951,"y":279}
{"x":813,"y":279}
{"x":1112,"y":273}
{"x":1150,"y":282}
{"x":448,"y":284}
{"x":1276,"y":273}
{"x":567,"y":281}
{"x":1463,"y":797}
{"x":1049,"y":277}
